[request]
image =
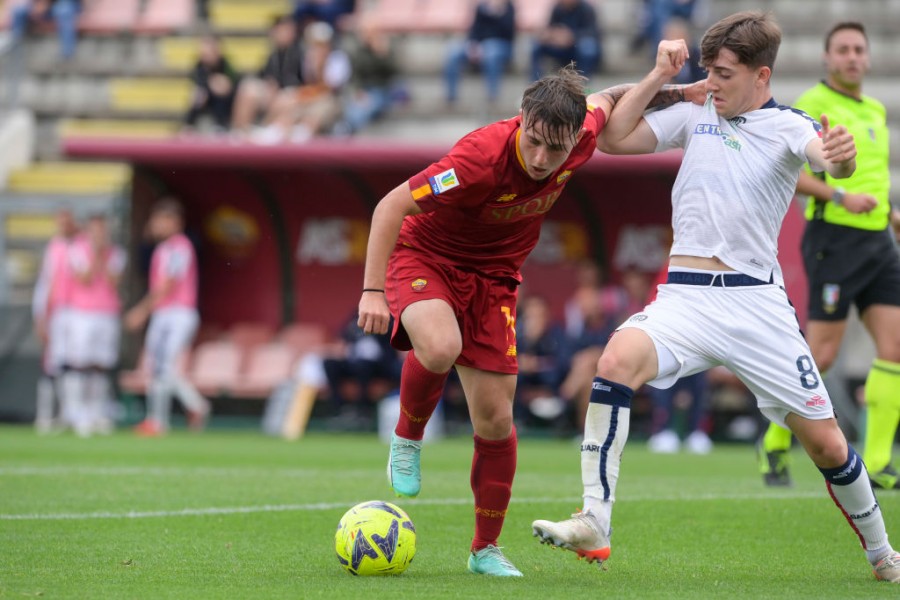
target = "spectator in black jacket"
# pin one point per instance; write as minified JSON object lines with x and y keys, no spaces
{"x":573,"y":34}
{"x":282,"y":70}
{"x":374,"y":67}
{"x":214,"y":82}
{"x":488,"y":45}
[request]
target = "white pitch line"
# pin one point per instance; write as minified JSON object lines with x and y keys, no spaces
{"x":268,"y":508}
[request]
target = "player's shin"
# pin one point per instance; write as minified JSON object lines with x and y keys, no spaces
{"x":605,"y":434}
{"x":420,"y":391}
{"x":493,"y":469}
{"x":849,"y":487}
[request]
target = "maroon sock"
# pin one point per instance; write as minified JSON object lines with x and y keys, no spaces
{"x":493,"y":469}
{"x":420,"y":390}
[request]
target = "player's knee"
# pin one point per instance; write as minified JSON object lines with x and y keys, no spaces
{"x":827,"y":451}
{"x":613,"y":366}
{"x":493,"y":425}
{"x":438,"y":357}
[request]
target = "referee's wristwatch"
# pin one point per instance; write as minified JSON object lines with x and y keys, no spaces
{"x":837,"y":196}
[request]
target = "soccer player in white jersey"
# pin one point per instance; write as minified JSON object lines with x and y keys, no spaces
{"x":723,"y":303}
{"x":49,"y":309}
{"x":172,"y":302}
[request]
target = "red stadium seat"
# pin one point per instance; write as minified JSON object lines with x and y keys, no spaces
{"x":304,"y":337}
{"x":108,"y":16}
{"x":5,"y":8}
{"x":533,"y":14}
{"x":165,"y":16}
{"x":249,"y":335}
{"x":268,"y":366}
{"x":402,"y":16}
{"x":215,"y":367}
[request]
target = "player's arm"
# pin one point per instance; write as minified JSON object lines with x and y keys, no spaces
{"x":140,"y":312}
{"x":808,"y":185}
{"x":670,"y":94}
{"x":627,"y":132}
{"x":834,"y":152}
{"x":386,"y":222}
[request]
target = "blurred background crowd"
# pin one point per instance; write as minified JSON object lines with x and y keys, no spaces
{"x":278,"y":73}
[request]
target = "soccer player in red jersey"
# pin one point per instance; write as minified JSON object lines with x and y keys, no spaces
{"x":444,"y":253}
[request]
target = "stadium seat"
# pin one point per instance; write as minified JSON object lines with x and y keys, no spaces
{"x":150,"y":95}
{"x":249,"y":335}
{"x":304,"y":337}
{"x":5,"y":9}
{"x":70,"y":178}
{"x":267,"y":366}
{"x":215,"y":367}
{"x":533,"y":15}
{"x":165,"y":16}
{"x":246,"y":54}
{"x":417,"y":16}
{"x":110,"y":128}
{"x":246,"y":15}
{"x":108,"y":16}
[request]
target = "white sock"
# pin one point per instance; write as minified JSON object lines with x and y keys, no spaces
{"x":605,"y":433}
{"x":851,"y":491}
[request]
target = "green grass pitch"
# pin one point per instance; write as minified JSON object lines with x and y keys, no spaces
{"x":236,"y":515}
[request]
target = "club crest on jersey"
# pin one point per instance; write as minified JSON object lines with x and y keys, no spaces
{"x":419,"y":284}
{"x":831,"y":293}
{"x":444,"y":181}
{"x":506,"y":198}
{"x":563,"y":176}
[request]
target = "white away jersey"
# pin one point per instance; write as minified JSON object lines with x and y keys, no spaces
{"x":736,"y":180}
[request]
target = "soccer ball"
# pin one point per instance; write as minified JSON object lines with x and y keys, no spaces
{"x":375,"y":538}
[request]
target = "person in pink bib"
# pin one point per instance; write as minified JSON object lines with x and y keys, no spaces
{"x":96,"y":266}
{"x":49,"y":309}
{"x":171,"y":306}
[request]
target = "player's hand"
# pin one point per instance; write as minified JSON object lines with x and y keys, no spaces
{"x":670,"y":57}
{"x":837,"y":144}
{"x":135,"y":318}
{"x":374,"y":314}
{"x":859,"y":203}
{"x":40,"y":328}
{"x":696,"y":92}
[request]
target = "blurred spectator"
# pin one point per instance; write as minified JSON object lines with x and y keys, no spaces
{"x":654,"y":16}
{"x":488,"y":45}
{"x":50,"y":311}
{"x":680,"y":29}
{"x":573,"y":34}
{"x":539,"y":347}
{"x":374,"y":67}
{"x":694,"y":389}
{"x":215,"y":82}
{"x":282,"y":71}
{"x":298,"y":114}
{"x":361,"y":371}
{"x":171,"y":307}
{"x":329,"y":11}
{"x":63,"y":12}
{"x":583,"y":349}
{"x":96,"y":264}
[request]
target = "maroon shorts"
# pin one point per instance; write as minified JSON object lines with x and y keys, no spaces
{"x":485,"y":308}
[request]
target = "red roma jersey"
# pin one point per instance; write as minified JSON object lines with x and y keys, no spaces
{"x":481,"y":209}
